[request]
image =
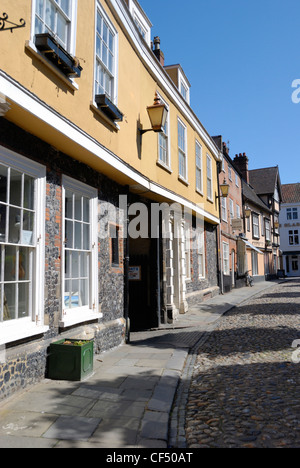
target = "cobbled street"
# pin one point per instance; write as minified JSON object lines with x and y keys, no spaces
{"x":245,"y":387}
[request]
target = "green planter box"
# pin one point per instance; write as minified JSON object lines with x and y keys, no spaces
{"x":71,"y":361}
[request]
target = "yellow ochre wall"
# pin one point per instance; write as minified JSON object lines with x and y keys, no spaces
{"x":136,"y":88}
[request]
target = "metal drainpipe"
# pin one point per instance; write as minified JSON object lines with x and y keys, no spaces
{"x":126,"y":272}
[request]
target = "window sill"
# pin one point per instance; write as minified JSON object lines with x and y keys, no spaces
{"x":30,"y":46}
{"x":164,"y":166}
{"x":199,"y":192}
{"x":103,"y":117}
{"x":73,"y":318}
{"x":183,"y":180}
{"x":16,"y":333}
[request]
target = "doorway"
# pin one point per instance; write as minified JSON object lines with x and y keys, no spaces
{"x":144,"y":284}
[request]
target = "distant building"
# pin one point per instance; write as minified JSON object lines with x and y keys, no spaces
{"x":262,"y":194}
{"x":289,"y":219}
{"x":231,"y":215}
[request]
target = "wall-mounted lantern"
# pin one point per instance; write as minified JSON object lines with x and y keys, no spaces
{"x":157,"y":114}
{"x":224,"y":190}
{"x":247,"y":212}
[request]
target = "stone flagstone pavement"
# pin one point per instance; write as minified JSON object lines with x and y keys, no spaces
{"x":136,"y":396}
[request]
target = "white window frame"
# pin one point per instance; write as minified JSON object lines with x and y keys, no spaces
{"x":139,"y":17}
{"x":236,"y":179}
{"x":231,"y":210}
{"x":229,"y":173}
{"x":209,"y":179}
{"x":183,"y":83}
{"x":71,"y":316}
{"x":114,"y":93}
{"x":166,"y":135}
{"x":293,"y":236}
{"x":71,"y":46}
{"x":182,"y":152}
{"x":224,"y":209}
{"x":238,"y":211}
{"x":255,"y":226}
{"x":14,"y":330}
{"x":199,"y":167}
{"x":267,"y":229}
{"x":291,"y":214}
{"x":226,"y":265}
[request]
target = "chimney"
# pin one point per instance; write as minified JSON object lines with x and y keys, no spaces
{"x":157,"y":51}
{"x":225,"y":149}
{"x":241,"y":162}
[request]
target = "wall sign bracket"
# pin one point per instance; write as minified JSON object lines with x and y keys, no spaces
{"x":6,"y":25}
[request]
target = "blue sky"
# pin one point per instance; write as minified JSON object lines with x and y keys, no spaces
{"x":241,"y":58}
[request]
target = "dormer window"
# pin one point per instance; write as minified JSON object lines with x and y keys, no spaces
{"x":184,"y":86}
{"x":183,"y":90}
{"x":178,"y":77}
{"x":140,"y":27}
{"x":141,"y":20}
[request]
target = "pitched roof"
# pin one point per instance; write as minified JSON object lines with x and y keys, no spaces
{"x":250,"y":195}
{"x":264,"y":180}
{"x":291,"y":193}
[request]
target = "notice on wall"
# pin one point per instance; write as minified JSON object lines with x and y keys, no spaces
{"x":135,"y":273}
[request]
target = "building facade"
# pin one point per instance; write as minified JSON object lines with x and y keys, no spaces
{"x":262,"y":195}
{"x":289,"y":219}
{"x":231,"y":216}
{"x":101,"y":224}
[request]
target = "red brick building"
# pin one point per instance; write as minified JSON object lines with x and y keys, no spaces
{"x":231,"y":214}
